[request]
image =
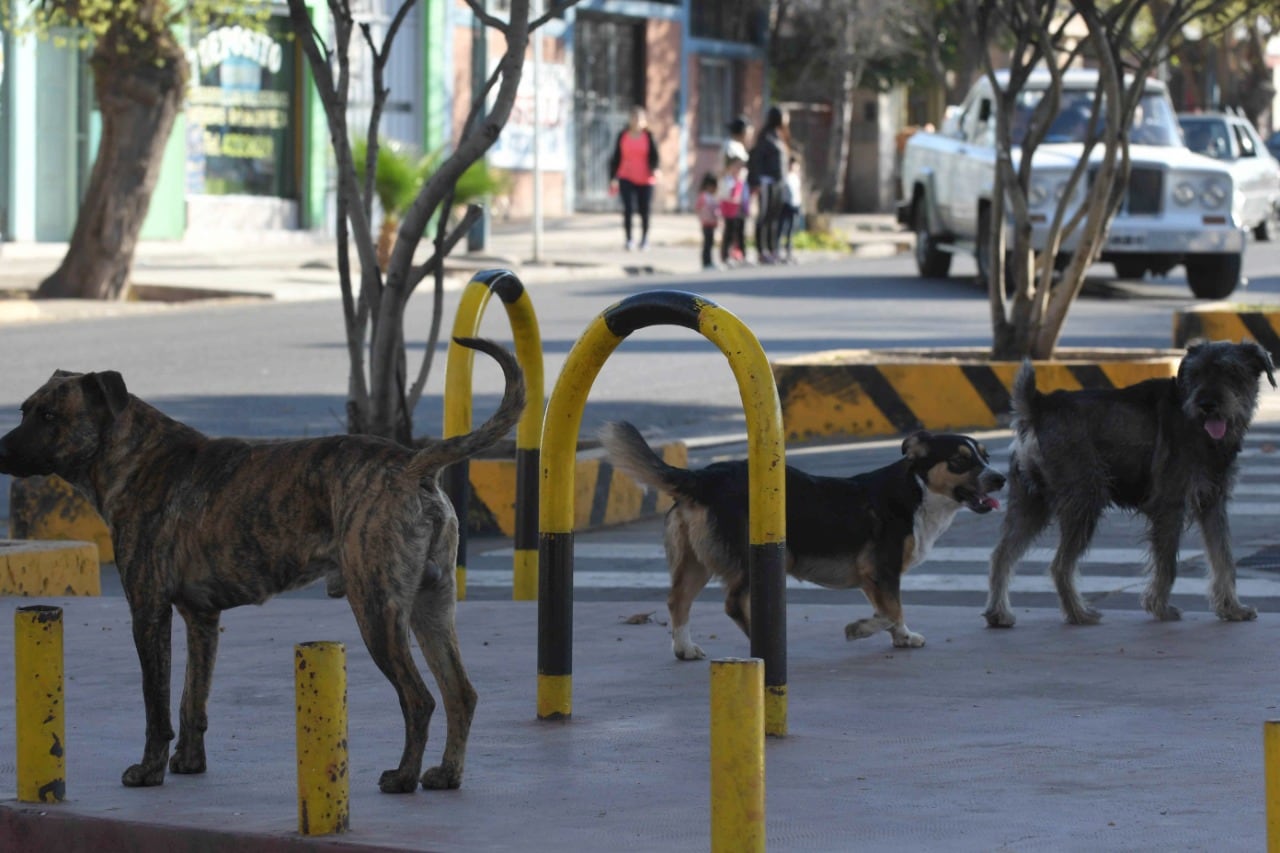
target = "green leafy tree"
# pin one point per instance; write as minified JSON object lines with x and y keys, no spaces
{"x":140,"y":75}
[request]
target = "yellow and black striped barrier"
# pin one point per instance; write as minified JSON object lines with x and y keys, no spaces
{"x":1228,"y":322}
{"x":886,"y":392}
{"x":766,"y":504}
{"x":457,"y":420}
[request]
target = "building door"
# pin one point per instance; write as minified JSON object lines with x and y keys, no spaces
{"x":608,"y":81}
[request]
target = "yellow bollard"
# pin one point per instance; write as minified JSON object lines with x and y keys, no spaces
{"x":324,"y":789}
{"x":1271,"y":768}
{"x":41,"y":721}
{"x":737,"y":755}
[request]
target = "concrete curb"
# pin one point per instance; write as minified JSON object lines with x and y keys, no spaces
{"x":43,"y":569}
{"x":867,"y":393}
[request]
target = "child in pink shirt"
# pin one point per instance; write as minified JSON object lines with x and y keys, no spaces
{"x":708,"y":210}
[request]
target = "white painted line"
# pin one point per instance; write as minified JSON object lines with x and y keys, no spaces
{"x":1024,"y":583}
{"x":1042,"y":556}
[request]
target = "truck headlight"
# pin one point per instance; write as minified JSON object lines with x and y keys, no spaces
{"x":1215,"y":194}
{"x":1038,"y":193}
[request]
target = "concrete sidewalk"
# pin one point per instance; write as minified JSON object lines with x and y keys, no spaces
{"x":303,"y":265}
{"x":1132,"y":735}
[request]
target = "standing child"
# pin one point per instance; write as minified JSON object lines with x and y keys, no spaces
{"x":708,"y":209}
{"x":733,"y":208}
{"x":791,"y":197}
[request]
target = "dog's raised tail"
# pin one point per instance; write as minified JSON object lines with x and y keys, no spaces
{"x":427,"y":461}
{"x":1024,"y":392}
{"x":631,"y":454}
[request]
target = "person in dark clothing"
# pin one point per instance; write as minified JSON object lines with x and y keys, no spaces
{"x":633,"y":172}
{"x":766,"y":170}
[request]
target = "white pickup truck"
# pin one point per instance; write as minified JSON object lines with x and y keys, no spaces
{"x":1177,"y":209}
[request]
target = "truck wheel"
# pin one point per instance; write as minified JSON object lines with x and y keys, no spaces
{"x":1213,"y":276}
{"x":1265,"y":231}
{"x":931,"y":261}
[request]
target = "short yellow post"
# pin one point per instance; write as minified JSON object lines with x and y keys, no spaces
{"x":41,"y":720}
{"x":1271,"y":767}
{"x":737,"y":755}
{"x":324,"y":789}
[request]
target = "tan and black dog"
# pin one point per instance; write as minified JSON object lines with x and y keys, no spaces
{"x":863,"y":531}
{"x":203,"y":525}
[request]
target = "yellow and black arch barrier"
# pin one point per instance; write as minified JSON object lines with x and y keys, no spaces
{"x":457,"y":420}
{"x":889,"y":392}
{"x":766,"y":505}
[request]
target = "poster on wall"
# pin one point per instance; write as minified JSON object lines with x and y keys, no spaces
{"x":241,"y":112}
{"x":514,"y":148}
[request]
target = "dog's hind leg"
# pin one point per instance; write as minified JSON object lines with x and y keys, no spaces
{"x":193,"y":716}
{"x":433,"y":625}
{"x":1215,"y":529}
{"x":152,"y":636}
{"x":1164,"y":529}
{"x":1026,"y":518}
{"x":688,"y":577}
{"x":1076,"y":523}
{"x":384,"y":624}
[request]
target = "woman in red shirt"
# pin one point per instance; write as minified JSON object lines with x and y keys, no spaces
{"x":633,"y":170}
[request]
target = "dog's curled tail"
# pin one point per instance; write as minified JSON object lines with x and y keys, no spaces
{"x":427,"y":461}
{"x":630,"y":453}
{"x":1024,"y":392}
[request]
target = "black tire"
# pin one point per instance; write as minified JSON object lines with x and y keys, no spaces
{"x":1213,"y":276}
{"x":931,"y":261}
{"x":1134,"y":268}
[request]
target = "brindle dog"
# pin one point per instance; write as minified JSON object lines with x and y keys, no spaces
{"x":203,"y":525}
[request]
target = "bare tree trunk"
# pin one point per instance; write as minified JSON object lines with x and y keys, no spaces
{"x":139,"y":99}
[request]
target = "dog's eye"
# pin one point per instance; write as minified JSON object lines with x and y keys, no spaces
{"x":47,"y":416}
{"x":959,"y":464}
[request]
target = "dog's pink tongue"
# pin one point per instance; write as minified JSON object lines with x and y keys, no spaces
{"x":1216,"y":427}
{"x":989,"y":501}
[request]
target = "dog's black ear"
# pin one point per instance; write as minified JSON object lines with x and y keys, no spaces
{"x":1195,"y":344}
{"x":916,"y":444}
{"x":63,"y":374}
{"x":110,"y":384}
{"x":1261,"y":360}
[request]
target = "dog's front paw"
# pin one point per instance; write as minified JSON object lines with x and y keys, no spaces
{"x":398,"y":782}
{"x":865,"y":627}
{"x":683,"y":646}
{"x":1083,"y":615}
{"x":445,"y":777}
{"x":908,"y":640}
{"x":999,"y":617}
{"x":1237,"y":613}
{"x":143,"y":776}
{"x":182,"y":762}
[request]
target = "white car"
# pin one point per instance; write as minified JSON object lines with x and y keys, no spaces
{"x":1177,"y":207}
{"x":1233,"y":140}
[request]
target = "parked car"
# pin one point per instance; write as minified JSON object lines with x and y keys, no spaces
{"x":1233,"y":140}
{"x":1176,"y":210}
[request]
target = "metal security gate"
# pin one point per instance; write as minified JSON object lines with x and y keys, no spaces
{"x":608,"y":81}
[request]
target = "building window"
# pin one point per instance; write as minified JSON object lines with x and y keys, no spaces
{"x":717,"y":99}
{"x":242,"y":112}
{"x":742,"y":21}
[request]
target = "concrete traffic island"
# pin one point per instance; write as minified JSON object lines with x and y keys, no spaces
{"x":863,"y":393}
{"x":1129,"y":735}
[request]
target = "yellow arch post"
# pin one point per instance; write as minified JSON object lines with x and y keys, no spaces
{"x":457,"y":420}
{"x":324,"y":785}
{"x":38,"y":699}
{"x":766,"y":505}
